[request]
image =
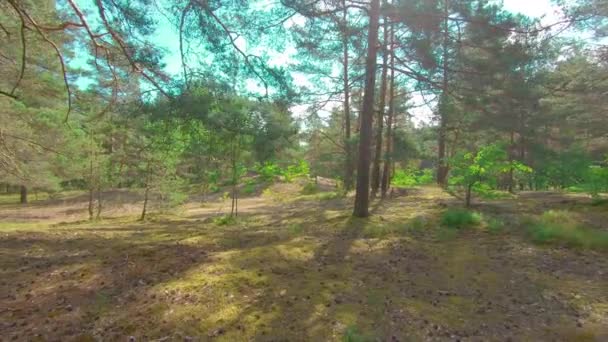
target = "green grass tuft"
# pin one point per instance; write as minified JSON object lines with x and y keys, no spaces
{"x":224,"y":220}
{"x":352,"y":335}
{"x":561,"y":228}
{"x":460,"y":218}
{"x":495,"y":225}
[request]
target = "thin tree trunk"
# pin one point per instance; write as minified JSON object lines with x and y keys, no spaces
{"x":389,"y":124}
{"x":23,"y":195}
{"x":348,"y":148}
{"x":361,"y":208}
{"x":510,"y":155}
{"x":468,"y":196}
{"x":98,"y":216}
{"x":442,"y":169}
{"x":380,"y":114}
{"x":143,"y":211}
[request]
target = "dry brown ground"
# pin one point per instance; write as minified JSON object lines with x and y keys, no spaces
{"x":297,"y":268}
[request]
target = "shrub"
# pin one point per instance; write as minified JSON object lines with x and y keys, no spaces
{"x":410,"y":177}
{"x":460,"y":218}
{"x":559,"y":227}
{"x":269,"y":171}
{"x":294,"y":171}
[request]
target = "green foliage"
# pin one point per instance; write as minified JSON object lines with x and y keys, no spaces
{"x":560,"y":227}
{"x":460,"y":218}
{"x":269,"y":171}
{"x":301,"y":169}
{"x":483,"y":167}
{"x":226,"y":220}
{"x":494,"y":225}
{"x":411,"y":177}
{"x":351,"y":334}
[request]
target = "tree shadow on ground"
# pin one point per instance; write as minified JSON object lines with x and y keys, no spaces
{"x":305,"y":273}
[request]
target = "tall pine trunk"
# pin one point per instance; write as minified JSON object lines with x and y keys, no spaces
{"x":389,"y":125}
{"x":348,"y":148}
{"x":367,"y":112}
{"x":442,"y":168}
{"x":380,"y":115}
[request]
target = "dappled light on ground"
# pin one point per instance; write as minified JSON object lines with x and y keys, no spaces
{"x":298,"y":270}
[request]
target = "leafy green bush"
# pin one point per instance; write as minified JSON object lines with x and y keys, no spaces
{"x":560,"y":227}
{"x":299,"y":170}
{"x":460,"y":218}
{"x":269,"y":171}
{"x":410,"y":177}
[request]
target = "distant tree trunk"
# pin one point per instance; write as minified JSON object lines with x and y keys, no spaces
{"x":442,"y":168}
{"x":365,"y":136}
{"x":380,"y":114}
{"x":91,"y":193}
{"x":511,"y":181}
{"x":146,"y":192}
{"x":468,"y":195}
{"x":98,"y":216}
{"x":348,"y":148}
{"x":91,"y":178}
{"x":389,"y":124}
{"x":23,"y":194}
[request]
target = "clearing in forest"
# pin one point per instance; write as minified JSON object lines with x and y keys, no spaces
{"x":301,"y":268}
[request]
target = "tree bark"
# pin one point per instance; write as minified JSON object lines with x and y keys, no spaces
{"x":389,"y":125}
{"x":143,"y":211}
{"x":380,"y":115}
{"x":361,"y":208}
{"x":468,"y":196}
{"x":23,"y":194}
{"x":442,"y":168}
{"x":348,"y":157}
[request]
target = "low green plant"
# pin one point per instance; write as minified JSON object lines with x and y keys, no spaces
{"x":269,"y":171}
{"x":411,"y":177}
{"x":560,"y":227}
{"x":351,"y":334}
{"x":225,"y":220}
{"x":495,"y":225}
{"x":460,"y":218}
{"x":301,"y":169}
{"x":295,"y":229}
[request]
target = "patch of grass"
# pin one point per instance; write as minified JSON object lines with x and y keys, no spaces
{"x":295,"y":229}
{"x":309,"y":189}
{"x":226,"y":220}
{"x":561,"y":227}
{"x":249,"y":189}
{"x":495,"y":225}
{"x":351,"y":334}
{"x":460,"y":218}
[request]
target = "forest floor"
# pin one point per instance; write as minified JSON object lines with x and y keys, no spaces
{"x":299,"y":268}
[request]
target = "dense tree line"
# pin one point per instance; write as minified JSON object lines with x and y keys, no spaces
{"x":516,"y":104}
